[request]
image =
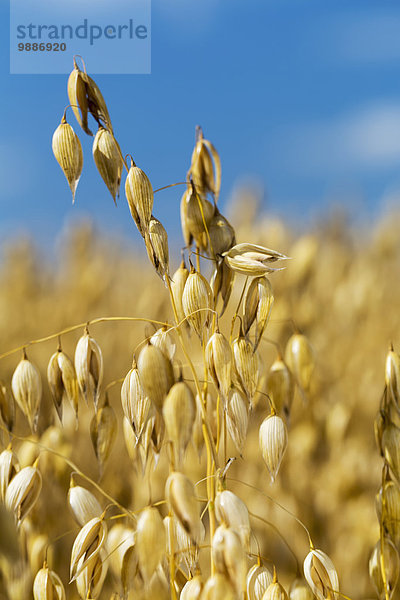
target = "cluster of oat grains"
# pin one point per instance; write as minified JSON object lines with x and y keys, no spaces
{"x":196,"y":541}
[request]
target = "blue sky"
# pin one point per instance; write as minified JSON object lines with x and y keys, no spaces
{"x":303,"y":96}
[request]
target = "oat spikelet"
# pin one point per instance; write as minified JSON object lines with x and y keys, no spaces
{"x":252,"y":260}
{"x":156,"y":374}
{"x":258,"y":580}
{"x":219,"y":362}
{"x":392,"y":376}
{"x":321,"y":575}
{"x":275,"y":591}
{"x":135,"y":404}
{"x":391,"y":564}
{"x":196,"y":300}
{"x":192,"y":589}
{"x":299,"y":356}
{"x":178,"y":285}
{"x":90,"y":580}
{"x":47,"y":585}
{"x":179,"y":413}
{"x":156,"y":241}
{"x":68,"y":152}
{"x":221,"y":283}
{"x":229,"y":557}
{"x":280,"y":387}
{"x":103,"y":431}
{"x":181,"y":497}
{"x":77,"y":95}
{"x":23,"y":491}
{"x":150,"y":541}
{"x":299,"y":590}
{"x":205,"y":168}
{"x":391,"y":512}
{"x":83,"y":504}
{"x":232,"y":511}
{"x":273,"y":442}
{"x":62,"y":381}
{"x":257,"y":306}
{"x":237,"y":419}
{"x":9,"y":466}
{"x":26,"y":385}
{"x":89,"y":367}
{"x":391,"y":448}
{"x":87,"y":545}
{"x":107,"y":158}
{"x":162,"y":338}
{"x":7,"y":407}
{"x":221,"y":234}
{"x":247,"y":365}
{"x":196,"y":215}
{"x":140,"y":196}
{"x":218,"y":587}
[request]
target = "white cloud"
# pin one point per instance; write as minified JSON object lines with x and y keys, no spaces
{"x":367,"y":139}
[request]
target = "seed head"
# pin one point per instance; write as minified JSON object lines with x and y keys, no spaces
{"x":150,"y":541}
{"x":196,"y":215}
{"x":156,"y":240}
{"x":47,"y":585}
{"x":68,"y":152}
{"x":26,"y":386}
{"x":87,"y":546}
{"x":391,"y":512}
{"x":140,"y":196}
{"x":83,"y":504}
{"x":299,"y":590}
{"x":259,"y":578}
{"x":252,"y":260}
{"x":229,"y":557}
{"x":237,"y":419}
{"x":179,"y":412}
{"x":321,"y":575}
{"x":222,"y":283}
{"x":192,"y":589}
{"x":280,"y":387}
{"x":135,"y":404}
{"x":275,"y":591}
{"x":221,"y":234}
{"x":90,"y":580}
{"x":390,"y":562}
{"x":155,"y":373}
{"x":103,"y":431}
{"x":89,"y":367}
{"x":232,"y":512}
{"x":273,"y":442}
{"x":218,"y":587}
{"x":180,"y":494}
{"x":196,"y":300}
{"x":7,"y":407}
{"x":392,"y":376}
{"x":205,"y":168}
{"x":107,"y":157}
{"x":391,"y":448}
{"x":162,"y":339}
{"x":9,"y":467}
{"x":178,"y":285}
{"x":246,"y":365}
{"x":23,"y":491}
{"x":62,"y":381}
{"x":219,"y":362}
{"x":257,"y":306}
{"x":299,"y":357}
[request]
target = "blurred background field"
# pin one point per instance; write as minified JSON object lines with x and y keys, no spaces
{"x":341,"y":288}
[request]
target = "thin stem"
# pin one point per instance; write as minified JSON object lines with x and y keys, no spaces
{"x":280,"y":535}
{"x":52,"y":336}
{"x":169,"y":186}
{"x":253,"y":487}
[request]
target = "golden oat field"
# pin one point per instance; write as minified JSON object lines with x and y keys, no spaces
{"x":201,"y":428}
